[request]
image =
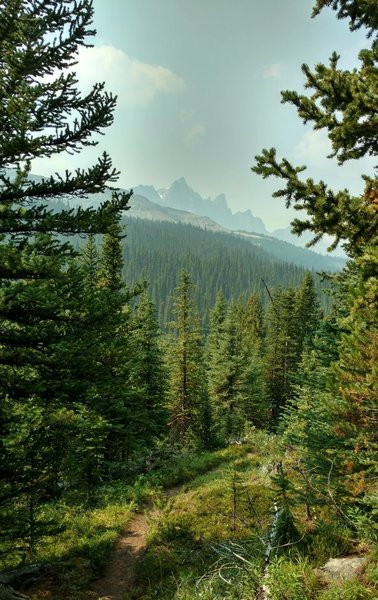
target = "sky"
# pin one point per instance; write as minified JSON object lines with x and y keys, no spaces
{"x":198,"y":85}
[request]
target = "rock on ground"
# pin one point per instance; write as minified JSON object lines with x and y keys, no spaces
{"x":341,"y":569}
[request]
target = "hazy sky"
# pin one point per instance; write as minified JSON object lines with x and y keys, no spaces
{"x":199,"y":83}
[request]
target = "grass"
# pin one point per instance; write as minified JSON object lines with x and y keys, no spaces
{"x":291,"y":580}
{"x":348,"y":590}
{"x":207,"y":542}
{"x":83,"y":546}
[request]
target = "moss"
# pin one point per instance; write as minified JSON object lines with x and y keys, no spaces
{"x":291,"y":580}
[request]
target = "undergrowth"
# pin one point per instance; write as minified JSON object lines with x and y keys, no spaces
{"x":82,"y":547}
{"x":207,"y":542}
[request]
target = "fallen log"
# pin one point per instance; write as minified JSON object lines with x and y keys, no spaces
{"x":8,"y":593}
{"x":18,"y":574}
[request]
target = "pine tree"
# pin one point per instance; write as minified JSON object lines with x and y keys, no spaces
{"x":340,"y":442}
{"x":42,"y":114}
{"x":147,"y":374}
{"x":190,"y":415}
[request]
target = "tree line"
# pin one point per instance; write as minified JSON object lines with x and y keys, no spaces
{"x":158,"y":252}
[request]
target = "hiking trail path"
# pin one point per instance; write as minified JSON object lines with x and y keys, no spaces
{"x":117,"y":580}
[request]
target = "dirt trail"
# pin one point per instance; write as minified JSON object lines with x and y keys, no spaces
{"x":116,"y":582}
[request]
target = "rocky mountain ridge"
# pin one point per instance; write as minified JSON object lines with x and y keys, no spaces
{"x":182,"y":197}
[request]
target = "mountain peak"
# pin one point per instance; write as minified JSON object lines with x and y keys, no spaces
{"x":221,"y":201}
{"x":148,"y":191}
{"x":181,"y":181}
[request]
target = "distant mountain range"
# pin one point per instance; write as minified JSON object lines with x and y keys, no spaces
{"x":143,"y":209}
{"x":182,"y":197}
{"x":180,"y":204}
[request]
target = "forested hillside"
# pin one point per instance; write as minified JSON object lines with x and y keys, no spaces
{"x":226,"y":436}
{"x":143,"y":209}
{"x":218,"y":262}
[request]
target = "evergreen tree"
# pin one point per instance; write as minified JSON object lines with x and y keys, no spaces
{"x":213,"y":347}
{"x":307,"y":314}
{"x":340,"y":440}
{"x":42,"y":114}
{"x":190,"y":416}
{"x":147,"y":374}
{"x":291,"y":321}
{"x":253,"y":400}
{"x":234,"y":365}
{"x":228,"y":378}
{"x":280,"y":354}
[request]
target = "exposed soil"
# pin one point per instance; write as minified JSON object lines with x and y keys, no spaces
{"x":117,"y":580}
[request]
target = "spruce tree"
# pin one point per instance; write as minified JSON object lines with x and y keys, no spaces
{"x":190,"y":415}
{"x":340,"y":440}
{"x":116,"y":394}
{"x":253,"y":399}
{"x":280,"y":353}
{"x":147,"y":375}
{"x":229,"y":371}
{"x":213,"y":356}
{"x":307,"y":314}
{"x":234,"y":366}
{"x":42,"y":114}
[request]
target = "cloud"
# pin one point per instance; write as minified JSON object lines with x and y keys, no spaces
{"x":195,"y":133}
{"x":314,"y":148}
{"x":194,"y":130}
{"x":187,"y":115}
{"x":136,"y":83}
{"x":273,"y":71}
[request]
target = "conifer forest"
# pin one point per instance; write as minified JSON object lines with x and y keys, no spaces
{"x":204,"y":427}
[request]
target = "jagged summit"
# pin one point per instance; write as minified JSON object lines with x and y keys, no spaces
{"x":149,"y":192}
{"x":181,"y":196}
{"x":221,"y":201}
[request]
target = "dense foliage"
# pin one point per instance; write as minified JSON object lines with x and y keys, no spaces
{"x":218,"y":262}
{"x":94,"y":393}
{"x":337,"y":401}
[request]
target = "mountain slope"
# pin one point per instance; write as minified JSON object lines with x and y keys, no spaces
{"x":294,"y":254}
{"x":158,"y":251}
{"x":143,"y":208}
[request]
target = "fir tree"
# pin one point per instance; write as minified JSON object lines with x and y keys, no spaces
{"x":187,"y":394}
{"x":42,"y":114}
{"x":340,"y":443}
